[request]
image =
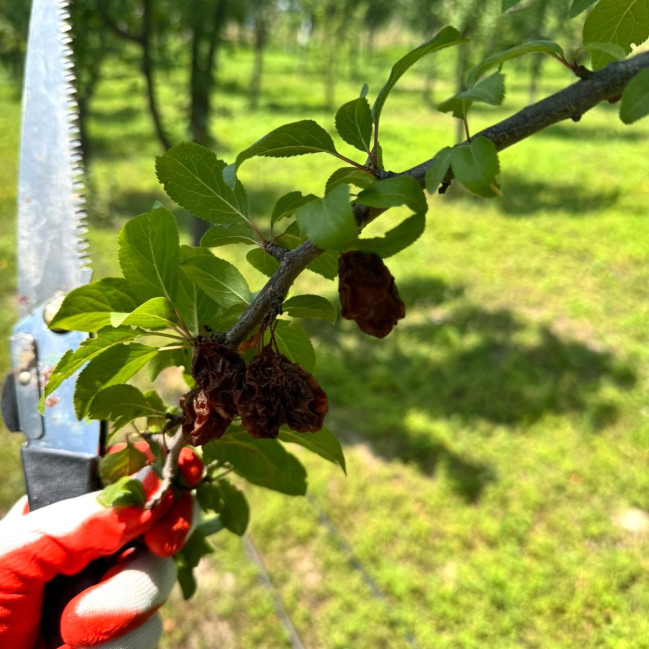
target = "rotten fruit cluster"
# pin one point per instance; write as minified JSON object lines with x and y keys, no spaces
{"x":267,"y":393}
{"x":368,"y":294}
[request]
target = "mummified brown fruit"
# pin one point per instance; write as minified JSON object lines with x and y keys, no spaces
{"x":277,"y":391}
{"x":219,"y":371}
{"x":202,"y":422}
{"x":368,"y":294}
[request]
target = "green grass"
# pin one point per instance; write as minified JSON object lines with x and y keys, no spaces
{"x":494,"y":440}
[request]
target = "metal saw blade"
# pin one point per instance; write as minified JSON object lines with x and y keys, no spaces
{"x":51,"y":216}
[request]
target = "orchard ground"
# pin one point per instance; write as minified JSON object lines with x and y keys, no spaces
{"x":497,"y":441}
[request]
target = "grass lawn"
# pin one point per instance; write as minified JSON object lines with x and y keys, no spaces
{"x":497,"y":441}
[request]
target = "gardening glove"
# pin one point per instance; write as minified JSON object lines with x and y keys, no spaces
{"x":118,"y":610}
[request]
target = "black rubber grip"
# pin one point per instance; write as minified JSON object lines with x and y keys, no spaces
{"x":9,"y":404}
{"x":52,"y":475}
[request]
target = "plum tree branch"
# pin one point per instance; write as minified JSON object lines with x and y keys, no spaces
{"x":572,"y":102}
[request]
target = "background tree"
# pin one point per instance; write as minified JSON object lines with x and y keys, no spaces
{"x":262,"y":14}
{"x":136,"y":23}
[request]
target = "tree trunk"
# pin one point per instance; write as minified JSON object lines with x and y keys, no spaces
{"x":429,"y":85}
{"x":147,"y":70}
{"x":205,"y":46}
{"x":198,"y":91}
{"x":261,"y":39}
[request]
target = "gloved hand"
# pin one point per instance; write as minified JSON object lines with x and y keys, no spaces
{"x":118,"y":612}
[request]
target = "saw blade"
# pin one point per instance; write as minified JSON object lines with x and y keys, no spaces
{"x":51,"y":215}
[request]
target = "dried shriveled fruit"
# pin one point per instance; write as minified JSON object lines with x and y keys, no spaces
{"x":368,"y":294}
{"x":219,"y":371}
{"x":276,"y":392}
{"x":202,"y":422}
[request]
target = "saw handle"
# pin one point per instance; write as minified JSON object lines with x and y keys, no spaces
{"x":53,"y":474}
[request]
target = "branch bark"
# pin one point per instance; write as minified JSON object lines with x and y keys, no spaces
{"x":606,"y":84}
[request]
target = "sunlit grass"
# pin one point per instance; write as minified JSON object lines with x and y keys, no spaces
{"x":495,"y":440}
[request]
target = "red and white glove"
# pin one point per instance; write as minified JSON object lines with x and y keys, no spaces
{"x":119,"y":612}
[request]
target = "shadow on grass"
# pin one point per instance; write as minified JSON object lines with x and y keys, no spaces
{"x":524,"y":197}
{"x":581,"y":132}
{"x":109,"y":147}
{"x":119,"y":116}
{"x":295,"y":108}
{"x":123,"y":204}
{"x":482,"y":368}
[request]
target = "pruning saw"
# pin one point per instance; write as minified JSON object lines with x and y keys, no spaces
{"x":61,"y":454}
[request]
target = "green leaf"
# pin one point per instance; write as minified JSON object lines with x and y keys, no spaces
{"x":287,"y":204}
{"x":148,"y":254}
{"x":326,"y":265}
{"x":155,"y":313}
{"x":193,"y":177}
{"x":297,"y":138}
{"x":476,"y":165}
{"x":324,"y":443}
{"x":229,"y":230}
{"x":438,"y":169}
{"x":219,"y":279}
{"x":396,"y":239}
{"x":354,"y":124}
{"x":310,"y":306}
{"x":264,"y":462}
{"x":349,"y":176}
{"x":611,"y":49}
{"x":126,"y":491}
{"x":329,"y":222}
{"x":621,"y":22}
{"x":189,"y":557}
{"x":263,"y":262}
{"x":488,"y":91}
{"x":196,"y":547}
{"x":456,"y":106}
{"x":508,"y":4}
{"x":445,"y":38}
{"x":194,"y":307}
{"x":230,"y":176}
{"x":88,"y":307}
{"x":291,"y":238}
{"x":208,"y":495}
{"x":578,"y":6}
{"x":398,"y":190}
{"x":185,"y":576}
{"x":635,"y":98}
{"x":72,"y":361}
{"x":209,"y":526}
{"x":115,"y":365}
{"x":498,"y":58}
{"x":295,"y":344}
{"x":223,"y":497}
{"x":235,"y":512}
{"x":122,"y":464}
{"x":122,"y":404}
{"x":229,"y":316}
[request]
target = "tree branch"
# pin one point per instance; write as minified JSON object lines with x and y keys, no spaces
{"x":606,"y":84}
{"x":115,"y":28}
